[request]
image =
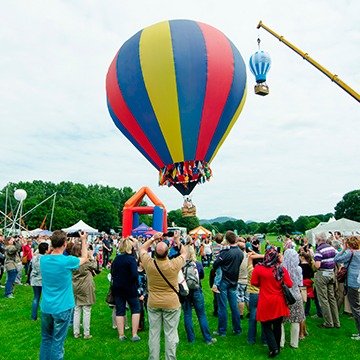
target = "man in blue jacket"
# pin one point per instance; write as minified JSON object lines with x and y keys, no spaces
{"x":229,"y":261}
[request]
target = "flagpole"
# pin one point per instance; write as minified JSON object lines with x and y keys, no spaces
{"x":52,"y":212}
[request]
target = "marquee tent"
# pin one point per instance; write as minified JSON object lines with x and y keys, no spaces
{"x":140,"y":230}
{"x":200,"y":230}
{"x":81,"y":225}
{"x":345,"y":226}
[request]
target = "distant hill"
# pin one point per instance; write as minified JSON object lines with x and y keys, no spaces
{"x":220,"y":219}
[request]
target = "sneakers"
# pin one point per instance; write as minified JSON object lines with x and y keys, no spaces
{"x":216,"y":333}
{"x":355,"y":337}
{"x":211,"y":342}
{"x":77,"y":336}
{"x":122,"y":338}
{"x":87,"y":337}
{"x":135,"y":338}
{"x":11,"y":296}
{"x":323,"y":326}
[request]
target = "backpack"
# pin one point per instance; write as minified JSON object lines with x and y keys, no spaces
{"x":191,"y":275}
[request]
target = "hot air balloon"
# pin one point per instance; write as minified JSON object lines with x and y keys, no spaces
{"x":260,"y":63}
{"x":175,"y":90}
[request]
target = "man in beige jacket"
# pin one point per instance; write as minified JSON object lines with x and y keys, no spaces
{"x":163,"y":304}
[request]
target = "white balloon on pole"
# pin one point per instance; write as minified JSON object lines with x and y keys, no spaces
{"x":20,"y":194}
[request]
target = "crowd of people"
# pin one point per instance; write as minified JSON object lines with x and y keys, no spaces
{"x":158,"y":278}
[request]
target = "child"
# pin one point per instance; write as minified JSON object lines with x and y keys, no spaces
{"x":142,"y":291}
{"x":221,"y":244}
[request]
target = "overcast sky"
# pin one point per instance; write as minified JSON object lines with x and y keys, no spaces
{"x":294,"y":152}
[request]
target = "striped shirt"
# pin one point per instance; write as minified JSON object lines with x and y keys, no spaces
{"x":325,"y":253}
{"x":251,"y":289}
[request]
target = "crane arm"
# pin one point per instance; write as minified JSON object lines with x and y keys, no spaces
{"x":308,"y":58}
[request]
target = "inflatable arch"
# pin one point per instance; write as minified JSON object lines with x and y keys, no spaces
{"x":132,"y":211}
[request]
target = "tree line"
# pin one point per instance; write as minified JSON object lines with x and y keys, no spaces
{"x":101,"y":207}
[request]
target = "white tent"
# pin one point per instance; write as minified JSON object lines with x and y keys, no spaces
{"x":35,"y":232}
{"x":80,"y":225}
{"x":345,"y":226}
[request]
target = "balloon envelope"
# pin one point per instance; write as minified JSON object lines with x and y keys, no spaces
{"x":260,"y":63}
{"x":175,"y":89}
{"x":20,"y":194}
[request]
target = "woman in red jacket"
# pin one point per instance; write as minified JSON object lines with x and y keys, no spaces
{"x":271,"y":306}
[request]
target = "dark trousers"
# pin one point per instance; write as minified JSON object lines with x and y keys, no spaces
{"x":354,"y":300}
{"x":272,"y":332}
{"x":106,"y":257}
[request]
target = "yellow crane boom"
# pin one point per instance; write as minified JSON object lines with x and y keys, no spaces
{"x":306,"y":56}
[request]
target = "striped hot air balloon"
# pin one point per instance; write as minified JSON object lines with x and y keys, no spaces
{"x":175,"y":90}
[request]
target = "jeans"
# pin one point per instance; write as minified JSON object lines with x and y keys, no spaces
{"x":54,"y":328}
{"x":170,"y":319}
{"x":251,"y":338}
{"x":196,"y":299}
{"x":11,"y":277}
{"x":36,"y":301}
{"x":228,"y":292}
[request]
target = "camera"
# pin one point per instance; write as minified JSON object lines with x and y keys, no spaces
{"x":75,"y":234}
{"x":169,"y":234}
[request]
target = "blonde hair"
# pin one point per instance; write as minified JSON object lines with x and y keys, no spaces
{"x":191,"y":253}
{"x":125,"y":246}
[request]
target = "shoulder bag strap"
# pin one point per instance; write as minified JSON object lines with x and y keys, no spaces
{"x":352,"y":254}
{"x":163,"y":276}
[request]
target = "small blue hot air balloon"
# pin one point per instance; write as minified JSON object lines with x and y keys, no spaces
{"x":260,"y":63}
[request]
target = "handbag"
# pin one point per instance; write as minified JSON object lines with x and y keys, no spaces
{"x":289,"y":298}
{"x":341,"y":275}
{"x":110,"y":296}
{"x":183,"y":291}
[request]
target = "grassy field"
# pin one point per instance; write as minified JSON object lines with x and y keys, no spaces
{"x":20,"y":336}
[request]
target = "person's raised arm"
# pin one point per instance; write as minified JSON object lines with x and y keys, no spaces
{"x":144,"y":247}
{"x":84,"y":253}
{"x":180,"y":246}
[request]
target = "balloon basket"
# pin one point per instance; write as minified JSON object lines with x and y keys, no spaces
{"x":261,"y":89}
{"x":188,"y":208}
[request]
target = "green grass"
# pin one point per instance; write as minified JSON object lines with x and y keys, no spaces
{"x":20,"y":337}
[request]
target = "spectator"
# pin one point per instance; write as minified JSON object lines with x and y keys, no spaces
{"x":229,"y":260}
{"x":253,"y":259}
{"x":350,"y":256}
{"x":106,"y":250}
{"x":163,"y":304}
{"x":27,"y":255}
{"x":2,"y":258}
{"x":325,"y":282}
{"x":57,"y":294}
{"x":243,"y":295}
{"x":297,"y":315}
{"x":124,"y":275}
{"x":195,"y":299}
{"x":84,"y":292}
{"x":36,"y":279}
{"x":12,"y":258}
{"x":271,"y":305}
